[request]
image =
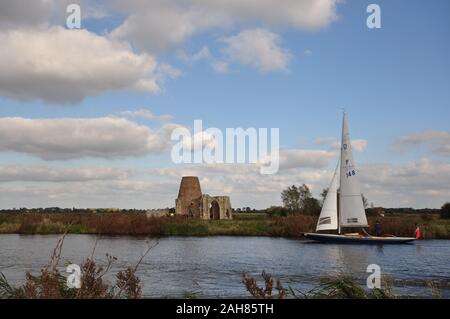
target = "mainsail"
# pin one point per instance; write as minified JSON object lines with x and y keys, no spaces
{"x":328,"y":219}
{"x":351,"y":207}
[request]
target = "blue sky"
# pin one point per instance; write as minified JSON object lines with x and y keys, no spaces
{"x":393,"y":82}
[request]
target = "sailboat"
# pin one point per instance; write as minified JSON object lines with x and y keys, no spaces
{"x":343,"y":206}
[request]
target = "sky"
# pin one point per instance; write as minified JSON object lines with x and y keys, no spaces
{"x":86,"y":114}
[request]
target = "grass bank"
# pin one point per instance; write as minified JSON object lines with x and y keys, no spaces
{"x":134,"y":224}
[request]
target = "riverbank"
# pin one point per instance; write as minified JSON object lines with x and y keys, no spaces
{"x":242,"y":225}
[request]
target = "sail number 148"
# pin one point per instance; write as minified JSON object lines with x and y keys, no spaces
{"x":351,"y":173}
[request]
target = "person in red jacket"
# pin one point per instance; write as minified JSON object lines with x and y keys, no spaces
{"x":417,"y":232}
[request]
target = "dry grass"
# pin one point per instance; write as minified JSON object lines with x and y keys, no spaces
{"x":111,"y":224}
{"x":267,"y":291}
{"x":138,"y":224}
{"x":342,"y":287}
{"x":339,"y":287}
{"x":292,"y":226}
{"x":398,"y":226}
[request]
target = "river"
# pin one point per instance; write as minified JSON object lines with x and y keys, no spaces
{"x":211,"y":266}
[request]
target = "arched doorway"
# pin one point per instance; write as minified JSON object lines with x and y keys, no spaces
{"x":193,"y":210}
{"x":214,"y":210}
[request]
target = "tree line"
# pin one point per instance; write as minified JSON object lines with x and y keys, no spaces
{"x":299,"y":199}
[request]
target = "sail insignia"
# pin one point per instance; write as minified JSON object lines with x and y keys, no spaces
{"x":324,"y":220}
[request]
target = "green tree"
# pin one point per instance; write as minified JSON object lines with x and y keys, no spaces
{"x":445,"y":210}
{"x":299,"y":198}
{"x":305,"y":195}
{"x":291,"y":198}
{"x":311,"y":206}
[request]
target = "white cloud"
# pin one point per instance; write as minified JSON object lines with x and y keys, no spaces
{"x":359,"y":145}
{"x":101,"y":193}
{"x":296,"y":158}
{"x":302,"y":14}
{"x":68,"y":138}
{"x":55,"y":65}
{"x":325,"y":140}
{"x":19,"y":13}
{"x":146,"y":114}
{"x":244,"y":183}
{"x":203,"y":54}
{"x":422,"y":183}
{"x":437,"y":142}
{"x":62,"y":66}
{"x":199,"y":141}
{"x":40,"y":13}
{"x":333,"y":144}
{"x":14,"y":173}
{"x":220,"y":67}
{"x":47,"y":62}
{"x":258,"y":48}
{"x":158,"y":25}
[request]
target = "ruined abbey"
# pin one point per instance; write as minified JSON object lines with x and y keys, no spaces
{"x":192,"y":203}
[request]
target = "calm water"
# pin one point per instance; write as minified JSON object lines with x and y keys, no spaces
{"x":212,"y":266}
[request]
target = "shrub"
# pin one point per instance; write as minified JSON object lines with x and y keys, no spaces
{"x":339,"y":287}
{"x":265,"y":292}
{"x":445,"y":210}
{"x":342,"y":287}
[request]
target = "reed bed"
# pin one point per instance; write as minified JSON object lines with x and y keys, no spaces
{"x":138,"y":224}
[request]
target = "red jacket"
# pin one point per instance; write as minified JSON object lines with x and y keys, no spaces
{"x":418,"y":234}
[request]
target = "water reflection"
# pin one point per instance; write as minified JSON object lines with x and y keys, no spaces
{"x":419,"y":248}
{"x":350,"y":260}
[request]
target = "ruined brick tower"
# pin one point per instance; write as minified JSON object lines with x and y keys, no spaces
{"x":192,"y":203}
{"x":189,"y":197}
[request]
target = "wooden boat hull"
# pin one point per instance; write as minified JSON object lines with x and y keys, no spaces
{"x":358,"y":239}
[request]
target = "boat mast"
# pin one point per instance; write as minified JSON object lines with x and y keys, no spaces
{"x":340,"y":179}
{"x":338,"y":213}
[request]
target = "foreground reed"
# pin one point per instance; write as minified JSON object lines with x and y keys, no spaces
{"x":335,"y":287}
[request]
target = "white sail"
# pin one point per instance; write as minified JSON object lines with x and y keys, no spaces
{"x":328,"y":219}
{"x":351,"y":207}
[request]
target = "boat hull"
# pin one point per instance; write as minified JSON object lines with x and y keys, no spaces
{"x":352,"y":239}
